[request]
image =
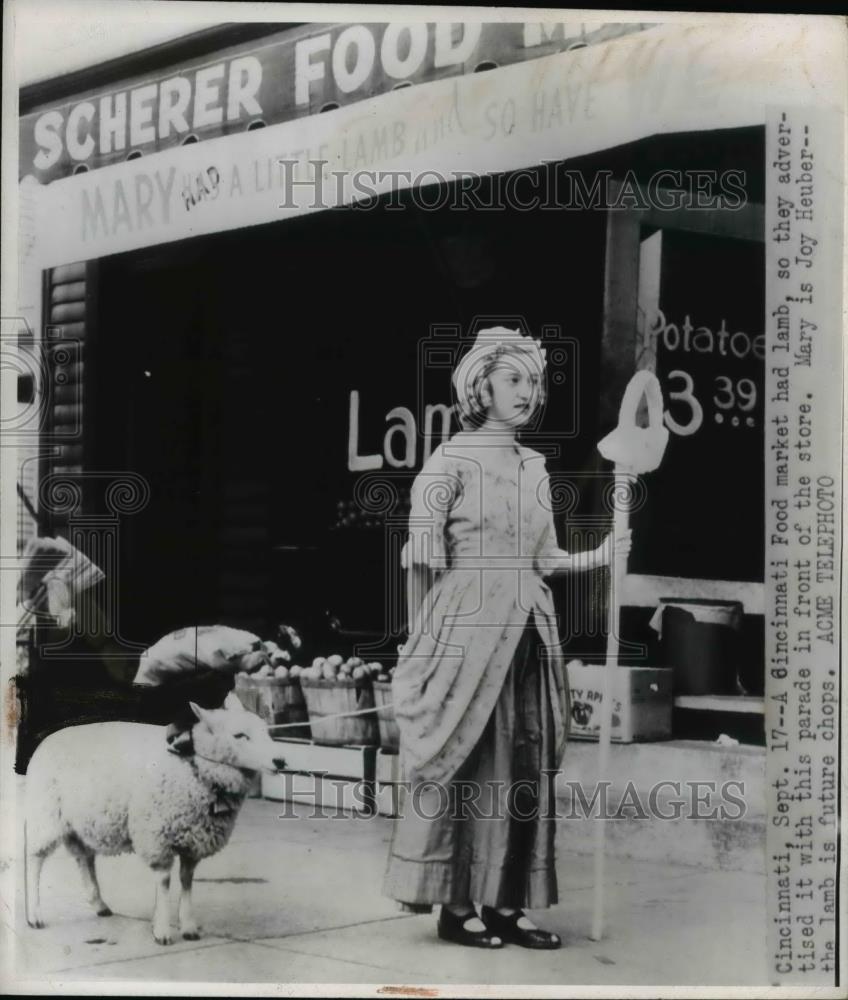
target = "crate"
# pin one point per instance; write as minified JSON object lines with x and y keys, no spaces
{"x":388,"y":776}
{"x":326,"y":699}
{"x":386,"y":721}
{"x":277,"y":701}
{"x":642,"y":702}
{"x":331,"y":779}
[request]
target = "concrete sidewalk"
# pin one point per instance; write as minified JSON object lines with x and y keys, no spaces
{"x":298,"y":900}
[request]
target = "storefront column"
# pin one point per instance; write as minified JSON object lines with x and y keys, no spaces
{"x":621,"y":292}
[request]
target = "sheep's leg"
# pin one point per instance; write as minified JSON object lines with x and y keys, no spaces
{"x":34,"y":864}
{"x":162,"y":908}
{"x":84,"y":857}
{"x":188,"y":924}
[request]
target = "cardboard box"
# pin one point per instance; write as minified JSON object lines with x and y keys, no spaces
{"x":642,"y":702}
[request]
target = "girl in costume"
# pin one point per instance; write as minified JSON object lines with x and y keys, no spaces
{"x":480,"y":692}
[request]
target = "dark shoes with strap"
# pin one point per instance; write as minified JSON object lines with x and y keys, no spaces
{"x":452,"y":928}
{"x":500,"y":930}
{"x":507,"y":929}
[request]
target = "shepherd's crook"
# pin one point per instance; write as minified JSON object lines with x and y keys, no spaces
{"x":634,"y":450}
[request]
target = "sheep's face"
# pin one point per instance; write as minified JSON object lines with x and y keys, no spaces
{"x":237,"y":737}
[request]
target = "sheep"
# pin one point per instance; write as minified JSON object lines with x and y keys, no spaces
{"x":114,"y":787}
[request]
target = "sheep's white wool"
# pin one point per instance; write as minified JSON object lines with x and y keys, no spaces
{"x":113,"y":787}
{"x":119,"y":789}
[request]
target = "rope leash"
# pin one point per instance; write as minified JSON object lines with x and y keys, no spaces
{"x":300,"y":725}
{"x":328,"y":718}
{"x":295,"y":725}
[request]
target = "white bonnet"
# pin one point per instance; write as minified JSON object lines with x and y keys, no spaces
{"x":476,"y":363}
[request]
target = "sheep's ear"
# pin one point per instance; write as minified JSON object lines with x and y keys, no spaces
{"x":198,"y":711}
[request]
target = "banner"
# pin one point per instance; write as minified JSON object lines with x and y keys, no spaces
{"x":662,"y":80}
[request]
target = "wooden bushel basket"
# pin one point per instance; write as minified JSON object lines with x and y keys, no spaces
{"x":281,"y":702}
{"x":277,"y":701}
{"x":326,"y":698}
{"x":386,"y":721}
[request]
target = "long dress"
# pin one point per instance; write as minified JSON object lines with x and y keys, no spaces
{"x":481,"y":695}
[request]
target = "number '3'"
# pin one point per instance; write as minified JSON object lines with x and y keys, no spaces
{"x":685,"y":395}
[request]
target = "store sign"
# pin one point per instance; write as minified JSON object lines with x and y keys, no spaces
{"x":275,"y":80}
{"x":452,"y":128}
{"x":352,"y":59}
{"x":731,"y":395}
{"x":705,"y":335}
{"x":224,"y":92}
